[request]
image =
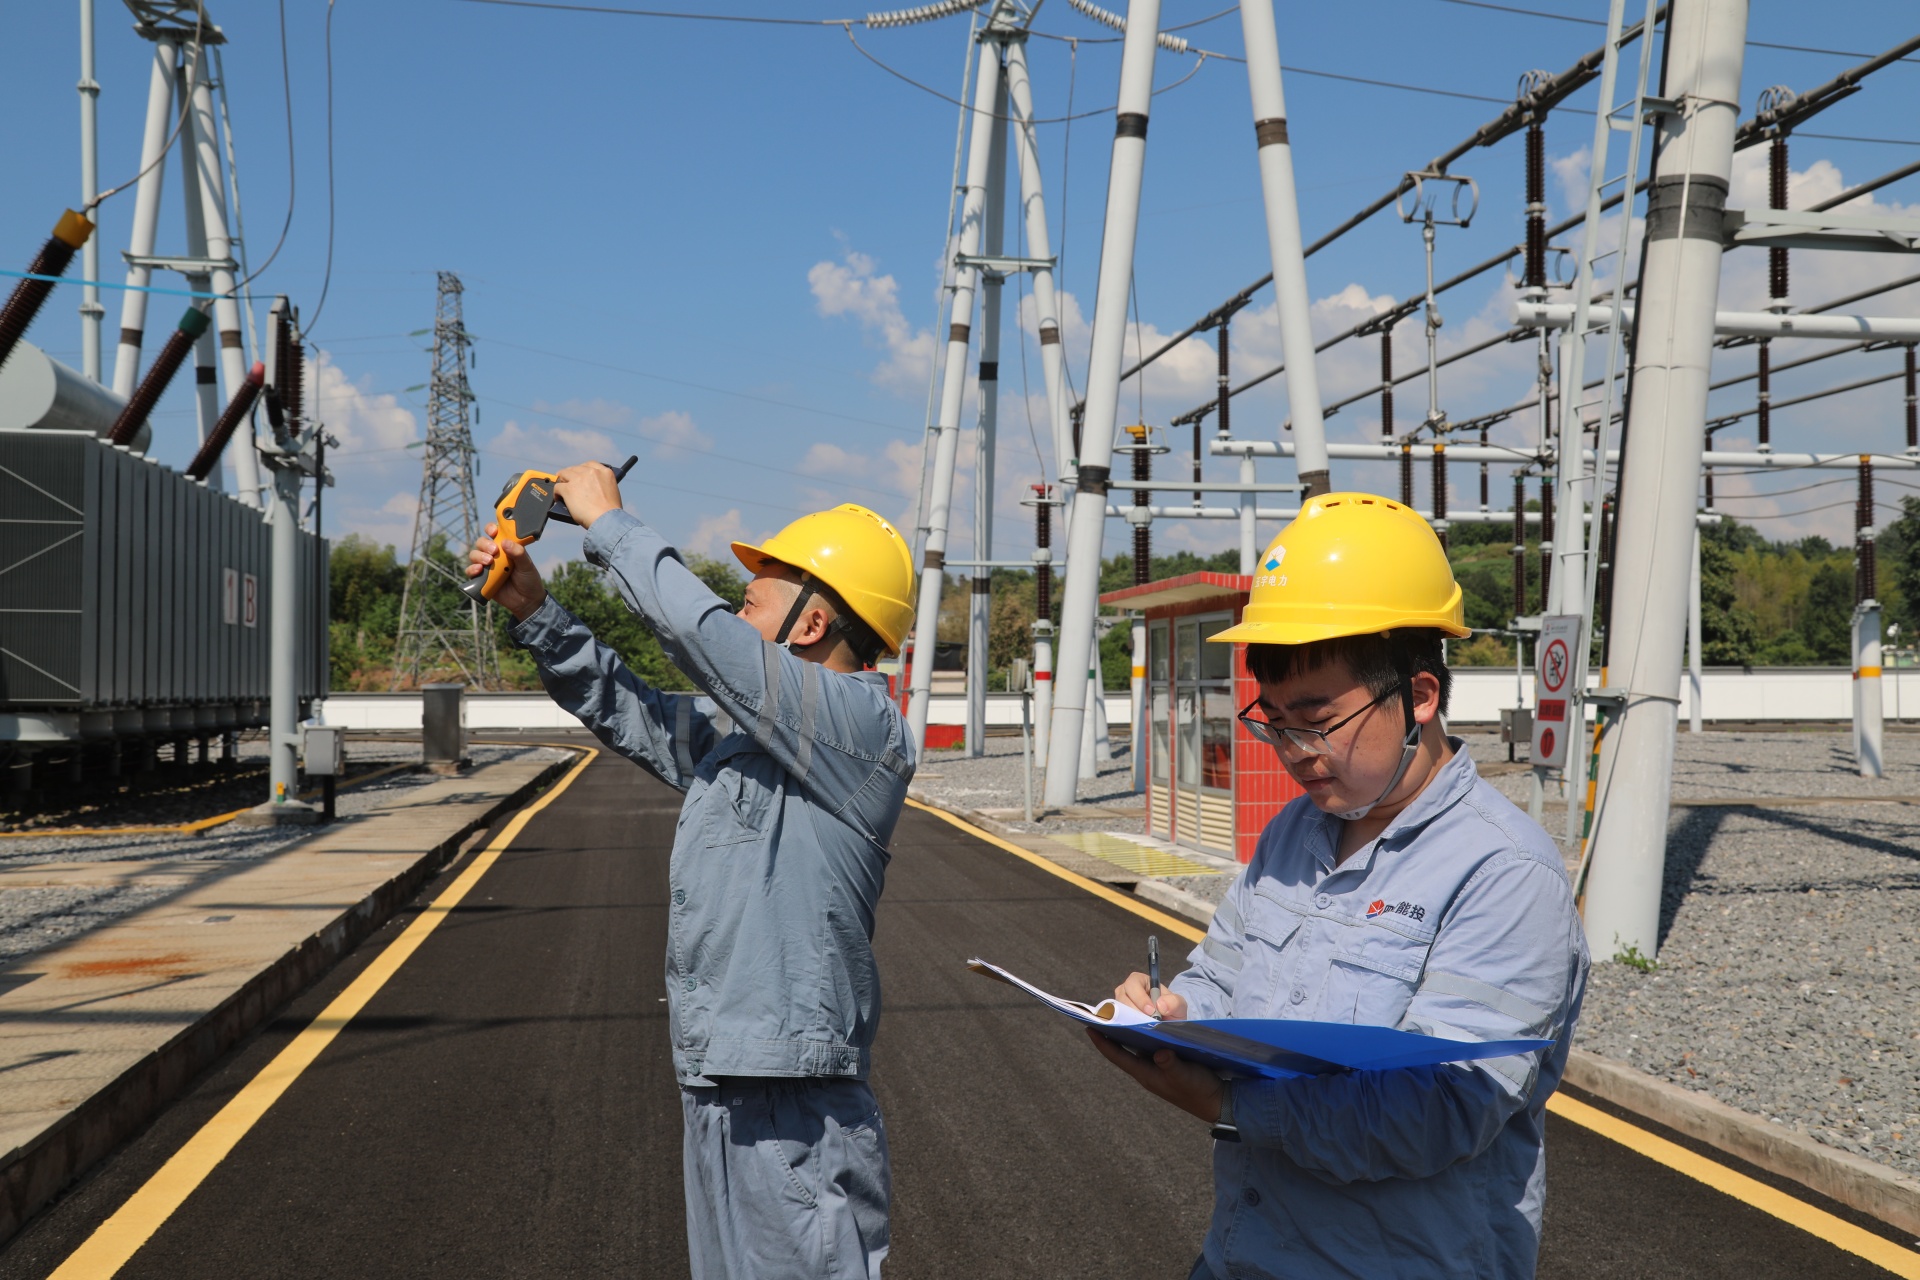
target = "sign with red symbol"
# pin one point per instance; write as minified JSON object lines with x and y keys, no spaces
{"x":1552,"y":682}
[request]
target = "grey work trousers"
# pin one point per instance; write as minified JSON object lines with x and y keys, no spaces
{"x":785,"y":1178}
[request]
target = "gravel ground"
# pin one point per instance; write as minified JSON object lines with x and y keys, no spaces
{"x":992,"y":782}
{"x":127,"y":872}
{"x":1788,"y":981}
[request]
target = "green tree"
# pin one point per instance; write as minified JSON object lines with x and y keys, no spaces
{"x":364,"y":581}
{"x":1898,"y":558}
{"x":1729,"y":633}
{"x":1827,"y":627}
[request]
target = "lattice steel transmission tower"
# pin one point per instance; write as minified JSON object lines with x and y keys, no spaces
{"x":444,"y":635}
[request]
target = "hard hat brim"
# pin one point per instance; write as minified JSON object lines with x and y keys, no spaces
{"x":1303,"y":631}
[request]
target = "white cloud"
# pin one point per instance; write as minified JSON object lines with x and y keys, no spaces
{"x":675,"y":435}
{"x":851,"y":288}
{"x":1572,"y":173}
{"x":548,"y":448}
{"x":714,"y":535}
{"x":361,"y":420}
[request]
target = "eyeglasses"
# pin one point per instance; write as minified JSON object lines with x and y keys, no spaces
{"x":1312,"y":741}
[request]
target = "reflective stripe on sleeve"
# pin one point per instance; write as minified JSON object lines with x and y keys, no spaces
{"x":1452,"y":984}
{"x":770,"y":698}
{"x":1223,"y":955}
{"x":809,"y":707}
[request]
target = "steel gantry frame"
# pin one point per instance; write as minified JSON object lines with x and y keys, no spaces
{"x":180,"y":111}
{"x":1002,"y":97}
{"x":1088,"y":513}
{"x":1563,"y":397}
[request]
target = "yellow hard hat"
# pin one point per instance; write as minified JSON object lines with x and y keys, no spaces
{"x":860,"y":556}
{"x":1350,"y":564}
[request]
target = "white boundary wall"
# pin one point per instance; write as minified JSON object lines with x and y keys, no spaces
{"x":1781,"y":694}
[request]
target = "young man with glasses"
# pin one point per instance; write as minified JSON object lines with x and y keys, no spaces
{"x":1402,"y":890}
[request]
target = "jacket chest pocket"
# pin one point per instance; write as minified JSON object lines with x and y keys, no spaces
{"x":1371,"y":980}
{"x":739,"y":804}
{"x":1268,"y":957}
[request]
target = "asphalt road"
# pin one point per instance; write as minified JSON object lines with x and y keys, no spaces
{"x":505,"y":1105}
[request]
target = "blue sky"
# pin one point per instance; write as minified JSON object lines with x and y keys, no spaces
{"x":716,"y":244}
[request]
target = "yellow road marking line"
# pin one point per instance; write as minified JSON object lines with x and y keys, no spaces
{"x":117,"y":1239}
{"x":1179,"y":928}
{"x":1837,"y":1232}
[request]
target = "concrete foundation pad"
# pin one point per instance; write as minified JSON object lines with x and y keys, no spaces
{"x":284,"y":813}
{"x":99,"y":1034}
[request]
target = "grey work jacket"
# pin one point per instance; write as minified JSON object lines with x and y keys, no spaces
{"x":1457,"y":921}
{"x":794,"y":775}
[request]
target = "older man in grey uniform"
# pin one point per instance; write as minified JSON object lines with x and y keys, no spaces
{"x":795,"y":768}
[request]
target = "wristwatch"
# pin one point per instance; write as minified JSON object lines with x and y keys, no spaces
{"x":1223,"y":1128}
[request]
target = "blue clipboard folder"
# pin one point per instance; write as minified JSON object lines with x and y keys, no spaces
{"x":1268,"y":1048}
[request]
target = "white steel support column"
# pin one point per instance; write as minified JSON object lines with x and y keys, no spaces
{"x":953,"y":387}
{"x":146,"y":218}
{"x":1039,"y":247}
{"x":206,"y":349}
{"x":1693,"y":639}
{"x":283,"y":622}
{"x":202,"y":143}
{"x":91,"y":312}
{"x":1086,"y":525}
{"x":1042,"y":688}
{"x":980,"y":599}
{"x":1291,"y":297}
{"x":1660,"y":472}
{"x":1138,"y":734}
{"x":1868,"y":710}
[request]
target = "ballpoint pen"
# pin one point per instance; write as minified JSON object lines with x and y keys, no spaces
{"x":1153,"y":972}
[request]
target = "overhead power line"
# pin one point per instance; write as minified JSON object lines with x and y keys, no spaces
{"x":1596,"y":22}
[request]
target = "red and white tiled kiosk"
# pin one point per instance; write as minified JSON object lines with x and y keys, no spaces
{"x":1210,"y":784}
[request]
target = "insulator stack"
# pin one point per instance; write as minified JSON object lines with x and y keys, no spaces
{"x":920,"y":13}
{"x":1546,"y":536}
{"x":69,"y":234}
{"x":159,"y":375}
{"x":1764,"y":409}
{"x":1078,"y":417}
{"x":1706,"y":470}
{"x":1386,"y":382}
{"x":1520,"y":545}
{"x":1043,"y":539}
{"x":1440,"y":491}
{"x":1536,"y":265}
{"x":1225,"y":392}
{"x":1142,"y":530}
{"x":236,"y":412}
{"x":296,"y":377}
{"x":1866,"y":585}
{"x":1486,"y":500}
{"x":1777,"y":198}
{"x":1913,"y":406}
{"x":1406,"y":475}
{"x":1197,"y":455}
